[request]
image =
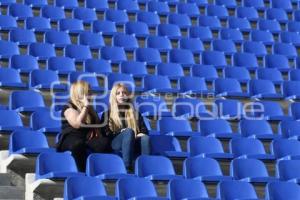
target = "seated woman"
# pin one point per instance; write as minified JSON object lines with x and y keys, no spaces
{"x":80,"y":126}
{"x":124,"y":125}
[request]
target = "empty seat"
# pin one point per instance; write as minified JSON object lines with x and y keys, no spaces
{"x":113,"y":54}
{"x":128,"y":42}
{"x":277,"y":14}
{"x":24,"y":63}
{"x":208,"y":72}
{"x":148,"y":55}
{"x":104,"y":27}
{"x":247,"y":60}
{"x":42,"y":51}
{"x":175,"y":126}
{"x":193,"y":85}
{"x":227,"y":3}
{"x":287,"y":50}
{"x":271,"y":110}
{"x":20,"y":11}
{"x":62,"y":65}
{"x":53,"y":13}
{"x":8,"y":49}
{"x":210,"y":21}
{"x":282,"y":190}
{"x":78,"y":52}
{"x":241,"y":24}
{"x":290,"y":37}
{"x":239,"y":73}
{"x":90,"y":78}
{"x":286,"y":170}
{"x":181,"y":56}
{"x":173,"y":70}
{"x":229,"y":87}
{"x":189,"y":107}
{"x":10,"y":78}
{"x":135,"y":68}
{"x":45,"y":120}
{"x":161,"y":8}
{"x":289,"y":128}
{"x":138,"y":29}
{"x":71,"y":25}
{"x":22,"y":36}
{"x":262,"y":36}
{"x":99,"y":66}
{"x":193,"y":44}
{"x":26,"y":101}
{"x":149,"y":18}
{"x":216,"y":128}
{"x":271,"y":74}
{"x":114,"y":78}
{"x":170,"y":31}
{"x":7,"y":2}
{"x":231,"y":34}
{"x":286,"y":5}
{"x":8,"y":22}
{"x":277,"y":61}
{"x":57,"y":38}
{"x":201,"y":32}
{"x":93,"y":40}
{"x":293,"y":26}
{"x":38,"y":24}
{"x":226,"y":46}
{"x":128,"y":6}
{"x":87,"y":15}
{"x":256,"y":48}
{"x":295,"y":110}
{"x":155,"y":83}
{"x":181,"y":20}
{"x":263,"y":89}
{"x":214,"y":58}
{"x":66,"y":4}
{"x":45,"y":79}
{"x":258,"y":4}
{"x":152,"y":106}
{"x":294,"y":75}
{"x":97,"y":5}
{"x":228,"y":109}
{"x":284,"y":148}
{"x":269,"y":25}
{"x":217,"y":11}
{"x":249,"y":13}
{"x":10,"y":120}
{"x":120,"y":17}
{"x":190,"y":9}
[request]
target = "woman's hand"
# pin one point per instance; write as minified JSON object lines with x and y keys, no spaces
{"x":85,"y":101}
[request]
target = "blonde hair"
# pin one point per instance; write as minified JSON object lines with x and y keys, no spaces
{"x":77,"y":91}
{"x":114,"y":118}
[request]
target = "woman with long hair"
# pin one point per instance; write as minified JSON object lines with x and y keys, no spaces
{"x":124,"y":125}
{"x":80,"y":126}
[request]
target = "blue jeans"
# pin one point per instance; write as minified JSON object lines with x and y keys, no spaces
{"x":124,"y":142}
{"x":144,"y":141}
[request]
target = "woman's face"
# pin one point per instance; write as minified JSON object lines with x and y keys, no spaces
{"x":121,"y":95}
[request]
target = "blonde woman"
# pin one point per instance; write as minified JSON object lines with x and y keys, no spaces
{"x":80,"y":126}
{"x":124,"y":125}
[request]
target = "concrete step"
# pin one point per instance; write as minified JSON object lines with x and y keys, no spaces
{"x":5,"y":180}
{"x":11,"y":192}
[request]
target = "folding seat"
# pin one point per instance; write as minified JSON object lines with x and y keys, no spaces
{"x":175,"y":127}
{"x":62,"y":65}
{"x":71,"y":25}
{"x":290,"y":37}
{"x":294,"y":109}
{"x":294,"y":75}
{"x":173,"y":2}
{"x":249,"y":13}
{"x":200,"y":3}
{"x":148,"y":55}
{"x":249,"y":148}
{"x":217,"y":11}
{"x":170,"y":31}
{"x":227,"y":3}
{"x":208,"y":72}
{"x":286,"y":5}
{"x":10,"y":120}
{"x":228,"y":109}
{"x":212,"y":22}
{"x":22,"y":36}
{"x":45,"y":79}
{"x":207,"y":147}
{"x":240,"y":73}
{"x":26,"y":101}
{"x":28,"y":142}
{"x":128,"y":42}
{"x":106,"y":166}
{"x":186,"y":188}
{"x":193,"y":85}
{"x":173,"y":70}
{"x":113,"y":54}
{"x":271,"y":111}
{"x":114,"y":78}
{"x":229,"y":87}
{"x":78,"y":52}
{"x":258,"y":4}
{"x":296,"y":15}
{"x":86,"y":188}
{"x":247,"y":60}
{"x":277,"y":14}
{"x":23,"y":63}
{"x":152,"y":106}
{"x":190,"y":108}
{"x":191,"y":9}
{"x":53,"y":13}
{"x":201,"y":32}
{"x":11,"y":78}
{"x":241,"y":24}
{"x":269,"y":25}
{"x":93,"y":40}
{"x":90,"y":78}
{"x":137,"y":29}
{"x":288,"y":50}
{"x":282,"y":190}
{"x":219,"y":128}
{"x":97,"y":5}
{"x":160,"y":43}
{"x":203,"y":169}
{"x":149,"y":18}
{"x":158,"y":7}
{"x":256,"y":48}
{"x":291,"y":90}
{"x":59,"y":100}
{"x":66,"y":4}
{"x":181,"y":20}
{"x":128,"y":6}
{"x":262,"y":36}
{"x":250,"y":170}
{"x":87,"y":15}
{"x":137,"y":188}
{"x":104,"y":27}
{"x":57,"y":38}
{"x":7,"y":22}
{"x":38,"y":24}
{"x":277,"y":61}
{"x":146,"y":166}
{"x":285,"y":149}
{"x":263,"y":89}
{"x":47,"y":167}
{"x":135,"y":68}
{"x":293,"y":26}
{"x":156,"y":83}
{"x":181,"y":56}
{"x":231,"y":34}
{"x":98,"y":66}
{"x":42,"y":51}
{"x":289,"y":129}
{"x":118,"y":16}
{"x":271,"y":74}
{"x":286,"y":170}
{"x":7,"y":2}
{"x":8,"y":49}
{"x":45,"y":120}
{"x":20,"y":11}
{"x":236,"y":190}
{"x":36,"y":3}
{"x":226,"y":46}
{"x":215,"y":58}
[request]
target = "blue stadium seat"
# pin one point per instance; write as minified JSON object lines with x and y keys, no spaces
{"x":8,"y":49}
{"x":247,"y":60}
{"x":104,"y":27}
{"x":146,"y":166}
{"x":191,"y":9}
{"x":263,"y":89}
{"x":87,"y":15}
{"x":36,"y":3}
{"x":71,"y":25}
{"x":203,"y":169}
{"x":129,"y":6}
{"x":271,"y":111}
{"x":170,"y":31}
{"x":7,"y":2}
{"x":38,"y":24}
{"x":215,"y":58}
{"x":291,"y":90}
{"x":228,"y":109}
{"x":128,"y":42}
{"x":277,"y":14}
{"x":286,"y":5}
{"x":43,"y":79}
{"x":227,"y":3}
{"x":219,"y":128}
{"x":210,"y":21}
{"x":175,"y":127}
{"x":11,"y":78}
{"x":181,"y":56}
{"x":85,"y":188}
{"x":59,"y":99}
{"x":231,"y":34}
{"x":236,"y":190}
{"x":62,"y":65}
{"x":294,"y":75}
{"x":113,"y":78}
{"x":91,"y":78}
{"x":42,"y":51}
{"x":92,"y":40}
{"x":286,"y":170}
{"x":118,"y":16}
{"x":193,"y":85}
{"x":241,"y":24}
{"x":250,"y":170}
{"x":258,"y":4}
{"x":159,"y":7}
{"x":99,"y":66}
{"x":22,"y":36}
{"x":7,"y":22}
{"x":78,"y":52}
{"x":10,"y":120}
{"x":200,"y":3}
{"x":289,"y":128}
{"x":201,"y":32}
{"x":181,"y":20}
{"x":66,"y":4}
{"x":294,"y":110}
{"x":293,"y":26}
{"x":277,"y":61}
{"x":249,"y":13}
{"x":23,"y":63}
{"x":149,"y":18}
{"x":226,"y":46}
{"x":173,"y":70}
{"x":262,"y":36}
{"x":256,"y":48}
{"x":193,"y":44}
{"x":229,"y":87}
{"x":137,"y":29}
{"x":290,"y":37}
{"x":26,"y":101}
{"x":46,"y":121}
{"x":152,"y":106}
{"x":249,"y":148}
{"x":217,"y":11}
{"x":135,"y":68}
{"x":185,"y":189}
{"x":106,"y":166}
{"x":207,"y":147}
{"x":156,"y":83}
{"x":189,"y":107}
{"x":57,"y":38}
{"x":239,"y":73}
{"x":20,"y":11}
{"x":148,"y":55}
{"x":209,"y":72}
{"x":101,"y":103}
{"x":97,"y":5}
{"x":47,"y":167}
{"x":287,"y":50}
{"x":53,"y":13}
{"x":282,"y":190}
{"x":269,"y":25}
{"x":285,"y":149}
{"x":271,"y":74}
{"x":113,"y":54}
